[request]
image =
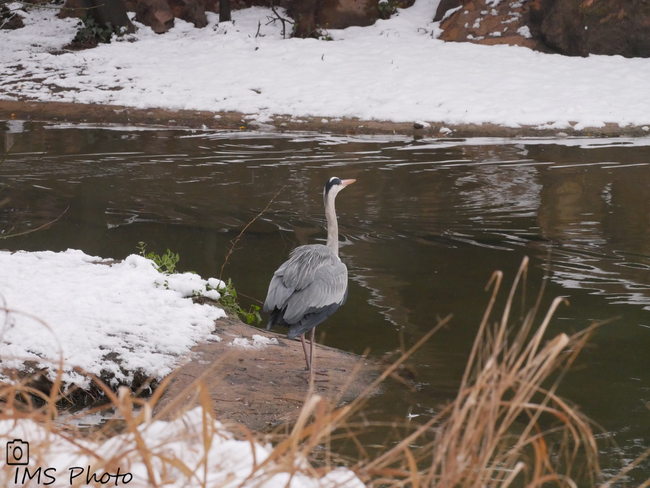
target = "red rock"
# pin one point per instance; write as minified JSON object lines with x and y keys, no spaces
{"x":482,"y":22}
{"x":571,"y":27}
{"x":444,"y":6}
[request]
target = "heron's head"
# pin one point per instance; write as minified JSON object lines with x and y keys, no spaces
{"x":333,"y":186}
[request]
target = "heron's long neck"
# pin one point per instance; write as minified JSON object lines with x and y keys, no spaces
{"x":332,"y":225}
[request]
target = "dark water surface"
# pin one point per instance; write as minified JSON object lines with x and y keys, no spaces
{"x":424,"y":227}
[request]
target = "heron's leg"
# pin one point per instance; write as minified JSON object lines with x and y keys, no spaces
{"x":311,"y":354}
{"x":311,"y":347}
{"x":304,"y":349}
{"x":321,"y":372}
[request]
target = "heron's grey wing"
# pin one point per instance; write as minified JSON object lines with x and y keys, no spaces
{"x":304,"y":262}
{"x":314,"y":304}
{"x":314,"y":317}
{"x":312,"y":278}
{"x":297,"y":273}
{"x":279,"y":292}
{"x":328,"y":287}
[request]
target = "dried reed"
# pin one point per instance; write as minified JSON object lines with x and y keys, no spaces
{"x":493,"y":433}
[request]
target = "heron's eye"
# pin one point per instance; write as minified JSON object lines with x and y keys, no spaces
{"x":334,"y":180}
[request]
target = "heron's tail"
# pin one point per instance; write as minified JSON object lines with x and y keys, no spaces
{"x":276,"y":317}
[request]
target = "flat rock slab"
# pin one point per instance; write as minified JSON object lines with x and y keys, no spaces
{"x":264,"y":386}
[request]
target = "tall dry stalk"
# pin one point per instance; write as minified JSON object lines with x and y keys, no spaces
{"x":501,"y":429}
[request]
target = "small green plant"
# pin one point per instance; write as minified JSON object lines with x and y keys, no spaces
{"x":386,"y":8}
{"x":229,"y":300}
{"x":166,"y":263}
{"x":90,"y":32}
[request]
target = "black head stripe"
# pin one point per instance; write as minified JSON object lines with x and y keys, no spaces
{"x":330,"y":183}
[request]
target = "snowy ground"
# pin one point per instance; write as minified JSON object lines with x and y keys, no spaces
{"x":176,"y":449}
{"x":110,"y":320}
{"x":394,"y":70}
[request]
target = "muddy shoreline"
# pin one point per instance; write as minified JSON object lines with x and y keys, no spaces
{"x":235,"y":121}
{"x":262,"y":388}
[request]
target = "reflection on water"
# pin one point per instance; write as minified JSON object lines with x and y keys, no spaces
{"x":423,"y":228}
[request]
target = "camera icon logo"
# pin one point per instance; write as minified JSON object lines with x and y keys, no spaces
{"x":17,"y":453}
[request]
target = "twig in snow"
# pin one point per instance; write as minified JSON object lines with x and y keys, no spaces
{"x":281,"y":19}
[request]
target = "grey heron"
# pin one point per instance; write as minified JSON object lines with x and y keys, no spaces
{"x":313,"y":283}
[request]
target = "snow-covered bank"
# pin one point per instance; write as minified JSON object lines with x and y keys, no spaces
{"x":114,"y":320}
{"x":395,"y":70}
{"x":192,"y":451}
{"x":119,"y":320}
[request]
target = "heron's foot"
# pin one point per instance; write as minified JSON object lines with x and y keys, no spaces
{"x":320,"y":372}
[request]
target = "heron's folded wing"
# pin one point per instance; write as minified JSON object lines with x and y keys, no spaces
{"x":279,"y":292}
{"x":329,"y":287}
{"x":297,"y":273}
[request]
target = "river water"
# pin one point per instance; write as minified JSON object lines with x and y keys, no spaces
{"x":423,"y":228}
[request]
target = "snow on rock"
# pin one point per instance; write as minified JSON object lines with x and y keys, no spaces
{"x":524,"y":30}
{"x":259,"y":342}
{"x":110,"y":319}
{"x":394,"y":70}
{"x":230,"y":462}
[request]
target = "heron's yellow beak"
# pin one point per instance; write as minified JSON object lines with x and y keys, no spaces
{"x":345,"y":183}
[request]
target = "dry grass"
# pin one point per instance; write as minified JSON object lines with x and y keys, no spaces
{"x":506,"y":427}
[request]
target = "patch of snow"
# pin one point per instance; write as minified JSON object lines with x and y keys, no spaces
{"x":259,"y":342}
{"x":262,"y":341}
{"x":109,"y":319}
{"x":241,"y":342}
{"x":213,"y":294}
{"x":450,"y":12}
{"x":215,"y":283}
{"x":228,"y":462}
{"x":524,"y":30}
